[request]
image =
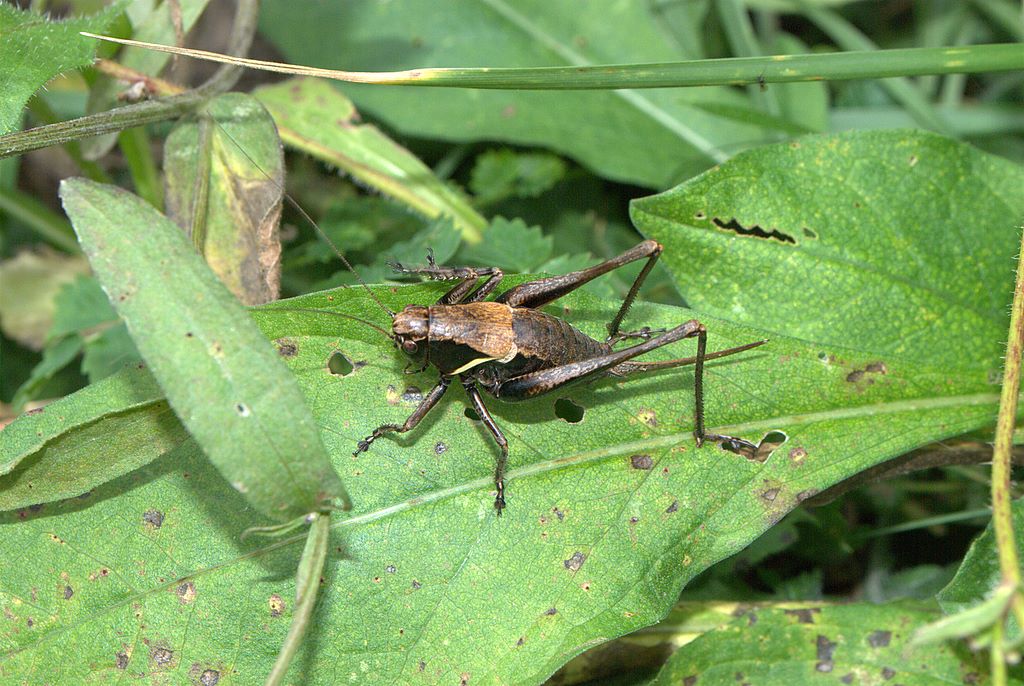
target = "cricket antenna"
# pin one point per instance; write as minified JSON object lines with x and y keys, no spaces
{"x":311,"y":310}
{"x":305,"y":215}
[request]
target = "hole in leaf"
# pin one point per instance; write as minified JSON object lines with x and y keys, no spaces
{"x":568,"y":410}
{"x":339,"y":365}
{"x":753,"y":230}
{"x":471,"y":414}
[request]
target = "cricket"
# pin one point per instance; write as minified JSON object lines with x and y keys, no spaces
{"x":509,"y":347}
{"x":514,"y":351}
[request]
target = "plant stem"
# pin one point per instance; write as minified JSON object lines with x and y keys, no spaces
{"x":1002,"y":512}
{"x":734,"y":71}
{"x":142,"y":113}
{"x":307,"y":584}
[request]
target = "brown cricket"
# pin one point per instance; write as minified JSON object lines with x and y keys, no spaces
{"x":514,"y":351}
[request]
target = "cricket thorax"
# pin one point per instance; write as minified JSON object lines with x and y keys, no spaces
{"x":470,"y":334}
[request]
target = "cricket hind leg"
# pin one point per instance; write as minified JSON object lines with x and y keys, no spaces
{"x":617,"y":362}
{"x":418,"y":414}
{"x":499,"y":470}
{"x":467,"y":276}
{"x":534,"y":294}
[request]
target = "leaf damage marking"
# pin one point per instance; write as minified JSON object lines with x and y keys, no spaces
{"x":755,"y":230}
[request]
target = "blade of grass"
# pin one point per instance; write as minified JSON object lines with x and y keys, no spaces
{"x":734,"y":71}
{"x":48,"y":224}
{"x":134,"y":144}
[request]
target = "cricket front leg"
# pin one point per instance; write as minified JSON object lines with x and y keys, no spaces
{"x":418,"y":414}
{"x":499,"y":471}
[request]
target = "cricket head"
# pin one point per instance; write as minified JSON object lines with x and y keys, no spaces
{"x":410,"y":328}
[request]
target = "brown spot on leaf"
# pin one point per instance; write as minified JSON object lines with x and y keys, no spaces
{"x":797,"y":455}
{"x":153,"y":519}
{"x":422,"y":665}
{"x":879,"y":639}
{"x":825,"y":649}
{"x":558,"y":513}
{"x":648,"y":417}
{"x":521,"y":641}
{"x":121,"y":660}
{"x":877,"y":368}
{"x":551,"y":611}
{"x":847,"y":678}
{"x":209,"y":677}
{"x":186,"y":592}
{"x":464,"y":679}
{"x":690,"y":680}
{"x":68,"y":592}
{"x":574,"y":563}
{"x":806,"y":493}
{"x":641,"y":462}
{"x":804,"y":615}
{"x":416,"y":585}
{"x":161,"y":657}
{"x":287,"y":348}
{"x":855,"y":376}
{"x":674,"y":507}
{"x":440,"y":448}
{"x":888,"y":673}
{"x":276,"y":605}
{"x":769,"y":495}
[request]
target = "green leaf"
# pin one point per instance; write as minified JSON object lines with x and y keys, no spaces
{"x":652,"y":137}
{"x":500,"y":174}
{"x":221,"y":378}
{"x":225,"y":185}
{"x":34,"y":49}
{"x":361,"y":150}
{"x":86,"y":439}
{"x":978,"y":577}
{"x":57,"y":355}
{"x":83,"y":311}
{"x":968,"y":622}
{"x":29,"y":284}
{"x":856,"y":644}
{"x":892,"y":243}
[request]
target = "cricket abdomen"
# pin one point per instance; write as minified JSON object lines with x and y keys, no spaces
{"x":549,"y":339}
{"x":543,"y":342}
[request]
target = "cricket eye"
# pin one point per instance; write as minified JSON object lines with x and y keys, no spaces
{"x":409,"y":347}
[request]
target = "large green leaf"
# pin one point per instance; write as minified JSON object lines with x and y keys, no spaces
{"x":33,"y":50}
{"x":596,"y":541}
{"x":894,"y":242}
{"x":607,"y":518}
{"x":850,"y":644}
{"x":223,"y":381}
{"x":650,"y":137}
